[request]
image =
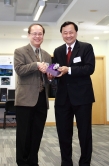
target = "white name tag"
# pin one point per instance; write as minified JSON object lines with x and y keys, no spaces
{"x":77,"y":59}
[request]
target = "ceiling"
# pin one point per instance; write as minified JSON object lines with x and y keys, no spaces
{"x":92,"y":18}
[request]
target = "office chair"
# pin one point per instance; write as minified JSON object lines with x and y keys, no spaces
{"x":9,"y":110}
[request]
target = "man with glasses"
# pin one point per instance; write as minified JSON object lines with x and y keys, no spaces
{"x":31,"y":97}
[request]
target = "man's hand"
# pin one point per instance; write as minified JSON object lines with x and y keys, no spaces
{"x":42,"y":66}
{"x":63,"y":70}
{"x":49,"y":76}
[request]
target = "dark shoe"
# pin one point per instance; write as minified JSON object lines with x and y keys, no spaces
{"x":23,"y":165}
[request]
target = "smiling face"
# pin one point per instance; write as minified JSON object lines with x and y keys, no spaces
{"x":69,"y":34}
{"x":36,"y":35}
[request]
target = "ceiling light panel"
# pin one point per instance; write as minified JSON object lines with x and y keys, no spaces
{"x":39,"y":8}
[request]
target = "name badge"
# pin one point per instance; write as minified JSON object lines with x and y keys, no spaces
{"x":77,"y":59}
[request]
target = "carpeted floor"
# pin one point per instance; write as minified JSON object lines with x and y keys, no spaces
{"x":49,"y":154}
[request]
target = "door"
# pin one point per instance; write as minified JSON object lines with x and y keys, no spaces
{"x":99,"y":83}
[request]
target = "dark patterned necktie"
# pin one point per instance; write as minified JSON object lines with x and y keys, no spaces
{"x":37,"y":54}
{"x":68,"y":54}
{"x":41,"y":78}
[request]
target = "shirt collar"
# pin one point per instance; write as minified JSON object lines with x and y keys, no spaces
{"x":34,"y":48}
{"x":72,"y":46}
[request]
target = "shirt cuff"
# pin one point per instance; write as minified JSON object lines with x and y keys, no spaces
{"x":69,"y":70}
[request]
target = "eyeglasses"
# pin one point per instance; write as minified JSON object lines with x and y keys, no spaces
{"x":36,"y":34}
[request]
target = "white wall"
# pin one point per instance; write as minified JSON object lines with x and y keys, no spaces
{"x":100,"y":48}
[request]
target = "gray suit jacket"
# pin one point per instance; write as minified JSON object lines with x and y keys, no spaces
{"x":28,"y":79}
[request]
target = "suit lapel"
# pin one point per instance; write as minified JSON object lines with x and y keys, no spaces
{"x":63,"y":55}
{"x":43,"y":57}
{"x":31,"y":53}
{"x":74,"y":52}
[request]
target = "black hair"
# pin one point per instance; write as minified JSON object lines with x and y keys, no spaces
{"x":68,"y":23}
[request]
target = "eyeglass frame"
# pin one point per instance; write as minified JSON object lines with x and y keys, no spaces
{"x":36,"y":34}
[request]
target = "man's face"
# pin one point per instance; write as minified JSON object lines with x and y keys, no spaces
{"x":69,"y":34}
{"x":36,"y":35}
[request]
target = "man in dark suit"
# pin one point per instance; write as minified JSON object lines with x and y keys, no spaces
{"x":74,"y":94}
{"x":31,"y":96}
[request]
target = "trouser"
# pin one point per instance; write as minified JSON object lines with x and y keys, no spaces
{"x":64,"y":121}
{"x":30,"y":125}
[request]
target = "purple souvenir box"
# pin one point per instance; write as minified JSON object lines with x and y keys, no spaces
{"x":53,"y":72}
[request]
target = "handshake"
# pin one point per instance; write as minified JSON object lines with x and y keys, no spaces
{"x":51,"y":69}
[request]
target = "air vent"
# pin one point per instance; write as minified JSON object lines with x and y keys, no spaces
{"x":104,"y":21}
{"x":8,"y":2}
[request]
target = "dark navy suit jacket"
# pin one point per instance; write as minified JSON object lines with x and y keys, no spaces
{"x":78,"y":85}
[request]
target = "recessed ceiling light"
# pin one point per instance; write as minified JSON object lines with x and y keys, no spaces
{"x":24,"y":36}
{"x":80,"y":22}
{"x":93,"y":10}
{"x":96,"y":38}
{"x":106,"y":31}
{"x":25,"y":29}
